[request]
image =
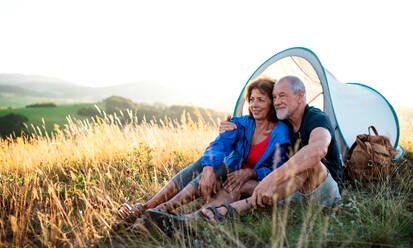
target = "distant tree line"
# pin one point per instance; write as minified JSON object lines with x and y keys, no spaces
{"x":44,"y":104}
{"x":14,"y":123}
{"x":115,"y":104}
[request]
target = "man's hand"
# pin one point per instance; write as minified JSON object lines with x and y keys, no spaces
{"x":226,"y":125}
{"x":237,"y":178}
{"x":207,"y":184}
{"x":263,"y":193}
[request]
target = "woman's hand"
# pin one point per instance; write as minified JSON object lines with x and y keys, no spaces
{"x":226,"y":125}
{"x":237,"y":178}
{"x":207,"y":184}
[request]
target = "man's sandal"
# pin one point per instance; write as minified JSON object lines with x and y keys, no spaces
{"x":130,"y":213}
{"x":231,"y":212}
{"x":218,"y":217}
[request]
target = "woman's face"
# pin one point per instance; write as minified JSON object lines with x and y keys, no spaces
{"x":260,"y":105}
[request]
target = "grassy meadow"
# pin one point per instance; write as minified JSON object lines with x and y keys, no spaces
{"x":14,"y":101}
{"x":46,"y":118}
{"x":63,"y":190}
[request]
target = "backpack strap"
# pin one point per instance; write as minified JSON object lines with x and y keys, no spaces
{"x":372,"y":143}
{"x":349,"y":152}
{"x":374,"y":130}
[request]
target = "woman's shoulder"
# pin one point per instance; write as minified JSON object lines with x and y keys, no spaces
{"x":282,"y":124}
{"x":242,"y":120}
{"x":282,"y":128}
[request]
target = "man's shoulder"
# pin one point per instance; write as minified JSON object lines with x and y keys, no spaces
{"x":315,"y":111}
{"x":315,"y":117}
{"x":314,"y":114}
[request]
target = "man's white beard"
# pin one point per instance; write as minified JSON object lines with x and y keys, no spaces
{"x":284,"y":115}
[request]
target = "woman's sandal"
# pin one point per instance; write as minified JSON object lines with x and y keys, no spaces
{"x":164,"y":220}
{"x":130,"y":213}
{"x":167,"y":221}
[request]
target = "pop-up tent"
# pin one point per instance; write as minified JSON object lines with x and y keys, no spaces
{"x":352,"y":107}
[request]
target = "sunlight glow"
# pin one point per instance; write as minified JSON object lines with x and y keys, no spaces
{"x":208,"y":50}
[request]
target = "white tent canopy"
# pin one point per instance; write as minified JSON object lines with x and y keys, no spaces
{"x":352,"y":107}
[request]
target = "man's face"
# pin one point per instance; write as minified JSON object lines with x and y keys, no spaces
{"x":285,"y":102}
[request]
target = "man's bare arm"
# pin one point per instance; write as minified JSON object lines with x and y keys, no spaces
{"x":226,"y":125}
{"x":292,"y":171}
{"x":307,"y":157}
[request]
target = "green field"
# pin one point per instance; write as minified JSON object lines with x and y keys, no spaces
{"x":21,"y":101}
{"x":142,"y":112}
{"x":51,"y":115}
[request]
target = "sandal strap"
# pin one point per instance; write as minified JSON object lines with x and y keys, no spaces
{"x":217,"y":215}
{"x":231,"y":212}
{"x":139,"y":206}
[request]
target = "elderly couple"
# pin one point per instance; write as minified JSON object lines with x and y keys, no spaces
{"x":250,"y":158}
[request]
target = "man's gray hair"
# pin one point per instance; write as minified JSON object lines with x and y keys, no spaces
{"x":296,"y":85}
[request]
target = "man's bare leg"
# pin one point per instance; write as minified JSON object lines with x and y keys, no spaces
{"x":305,"y":182}
{"x":315,"y":177}
{"x":227,"y":197}
{"x":239,"y":205}
{"x":248,"y":188}
{"x":188,"y":194}
{"x":220,"y":198}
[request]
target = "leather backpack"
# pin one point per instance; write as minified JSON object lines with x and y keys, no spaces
{"x":370,"y":157}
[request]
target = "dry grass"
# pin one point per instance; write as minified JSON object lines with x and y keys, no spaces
{"x":64,"y":191}
{"x":405,"y":116}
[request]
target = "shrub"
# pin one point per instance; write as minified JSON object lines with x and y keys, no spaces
{"x":88,"y":111}
{"x":117,"y":103}
{"x":156,"y":112}
{"x":44,"y":104}
{"x":12,"y":124}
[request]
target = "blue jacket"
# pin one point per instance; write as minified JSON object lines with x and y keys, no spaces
{"x":233,"y":147}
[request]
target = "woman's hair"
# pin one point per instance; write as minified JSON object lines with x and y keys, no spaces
{"x":265,"y":86}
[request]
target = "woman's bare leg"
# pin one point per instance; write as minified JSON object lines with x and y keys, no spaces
{"x":186,"y":195}
{"x":166,"y":193}
{"x":129,"y":213}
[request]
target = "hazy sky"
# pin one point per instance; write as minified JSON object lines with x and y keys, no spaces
{"x":209,"y":48}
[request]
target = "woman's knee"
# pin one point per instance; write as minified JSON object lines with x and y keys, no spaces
{"x":248,"y":187}
{"x":186,"y":175}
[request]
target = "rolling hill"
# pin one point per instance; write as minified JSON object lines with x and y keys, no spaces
{"x":30,"y":89}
